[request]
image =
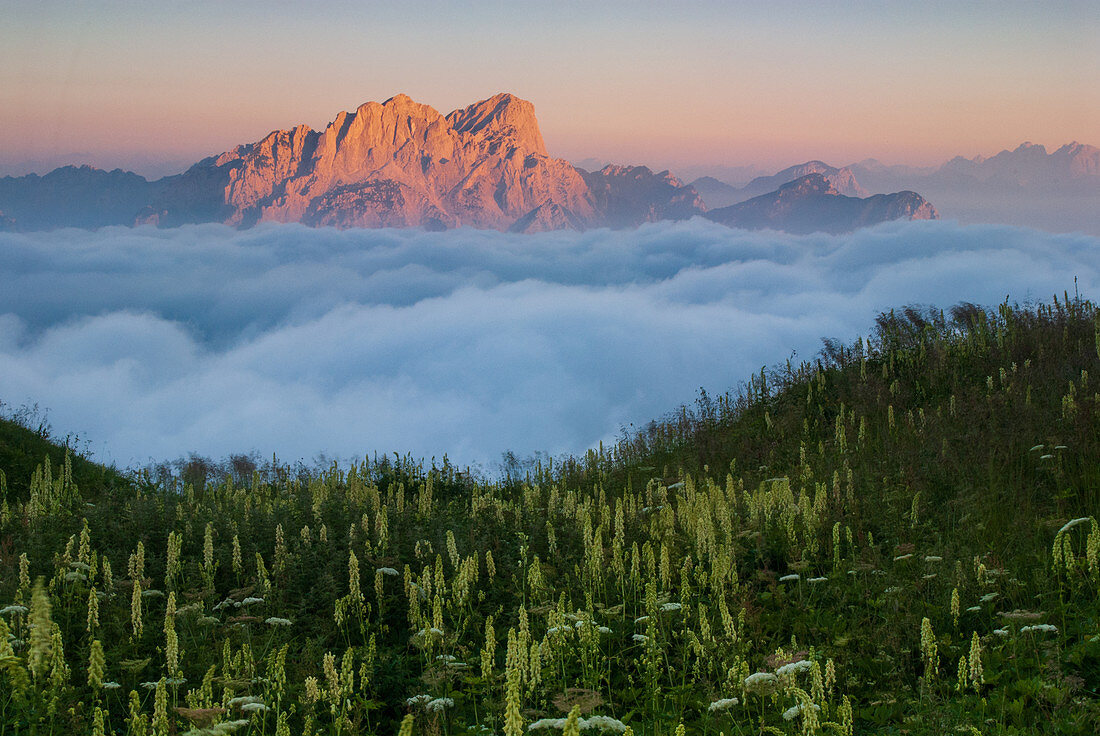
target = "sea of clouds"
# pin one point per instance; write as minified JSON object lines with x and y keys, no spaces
{"x":152,"y":344}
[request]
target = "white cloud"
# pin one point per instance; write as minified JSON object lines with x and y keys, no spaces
{"x":282,"y":339}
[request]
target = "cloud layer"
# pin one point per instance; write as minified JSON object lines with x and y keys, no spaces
{"x":288,"y":340}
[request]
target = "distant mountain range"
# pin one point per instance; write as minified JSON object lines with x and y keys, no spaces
{"x":1058,"y":191}
{"x":813,"y":203}
{"x":400,"y":163}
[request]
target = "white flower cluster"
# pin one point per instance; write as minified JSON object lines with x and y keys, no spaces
{"x":722,"y":704}
{"x":794,"y":668}
{"x":388,"y":571}
{"x":13,"y":609}
{"x":761,"y":683}
{"x":1041,"y":628}
{"x":796,"y":710}
{"x":592,"y":723}
{"x":789,"y":578}
{"x":276,"y":621}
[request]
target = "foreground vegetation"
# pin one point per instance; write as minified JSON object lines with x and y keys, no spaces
{"x":900,"y":537}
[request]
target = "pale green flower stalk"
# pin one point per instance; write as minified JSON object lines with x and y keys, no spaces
{"x":41,"y":631}
{"x":97,"y":665}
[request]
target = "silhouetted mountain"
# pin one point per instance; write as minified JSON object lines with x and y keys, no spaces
{"x":74,"y":197}
{"x":716,"y":193}
{"x":627,"y":196}
{"x":812,"y":204}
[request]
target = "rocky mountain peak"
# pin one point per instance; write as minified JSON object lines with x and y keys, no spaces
{"x":501,"y":116}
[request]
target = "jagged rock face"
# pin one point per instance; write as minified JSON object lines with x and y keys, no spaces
{"x":402,"y":164}
{"x":628,"y":196}
{"x":812,"y":204}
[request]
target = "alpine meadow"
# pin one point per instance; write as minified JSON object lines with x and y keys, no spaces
{"x":898,"y":537}
{"x":549,"y":368}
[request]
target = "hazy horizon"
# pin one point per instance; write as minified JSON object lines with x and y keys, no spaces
{"x":153,"y":86}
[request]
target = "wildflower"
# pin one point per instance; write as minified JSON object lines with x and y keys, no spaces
{"x":417,"y":700}
{"x":254,"y":708}
{"x":789,"y":578}
{"x":905,"y":556}
{"x":16,"y":609}
{"x":111,"y":685}
{"x":1037,"y":447}
{"x":988,"y":597}
{"x":251,"y":600}
{"x":640,"y":638}
{"x":794,"y":668}
{"x":602,"y":723}
{"x":152,"y":593}
{"x":641,"y":619}
{"x":671,"y":607}
{"x":933,"y":558}
{"x":761,"y":683}
{"x":276,"y":621}
{"x":796,"y":710}
{"x":437,"y":705}
{"x":977,"y":677}
{"x":1041,"y":628}
{"x":603,"y":630}
{"x":242,"y":700}
{"x":1000,"y":632}
{"x":722,"y":704}
{"x":817,"y":580}
{"x":544,"y":723}
{"x":388,"y":571}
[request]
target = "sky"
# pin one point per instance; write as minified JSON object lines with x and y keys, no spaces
{"x":151,"y":344}
{"x":152,"y":85}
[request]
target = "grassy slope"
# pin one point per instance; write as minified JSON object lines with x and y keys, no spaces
{"x":921,"y":444}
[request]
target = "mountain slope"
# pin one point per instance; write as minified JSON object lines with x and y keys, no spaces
{"x":811,"y":204}
{"x":899,"y":536}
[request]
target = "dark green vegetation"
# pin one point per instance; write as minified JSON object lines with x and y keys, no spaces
{"x":897,"y":538}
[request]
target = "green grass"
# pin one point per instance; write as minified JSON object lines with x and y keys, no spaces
{"x":936,"y":461}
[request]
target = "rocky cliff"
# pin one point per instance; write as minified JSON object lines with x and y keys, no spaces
{"x":398,"y":163}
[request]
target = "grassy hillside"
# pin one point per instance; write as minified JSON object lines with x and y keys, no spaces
{"x":898,"y":538}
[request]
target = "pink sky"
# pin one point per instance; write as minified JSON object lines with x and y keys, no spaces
{"x":765,"y":84}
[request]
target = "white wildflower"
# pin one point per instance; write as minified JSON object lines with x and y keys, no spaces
{"x":794,"y":668}
{"x":543,"y":723}
{"x":250,"y":600}
{"x":723,"y":704}
{"x":671,"y":607}
{"x":817,"y":580}
{"x":13,"y":609}
{"x":796,"y":710}
{"x":640,"y":638}
{"x":276,"y":621}
{"x":435,"y":706}
{"x":933,"y":558}
{"x":761,"y":683}
{"x":789,"y":578}
{"x":602,"y":723}
{"x":418,"y":700}
{"x":906,"y":556}
{"x":388,"y":571}
{"x":254,"y":708}
{"x":1041,"y":628}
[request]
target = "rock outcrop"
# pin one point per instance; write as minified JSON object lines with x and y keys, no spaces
{"x":811,"y":204}
{"x":398,"y":163}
